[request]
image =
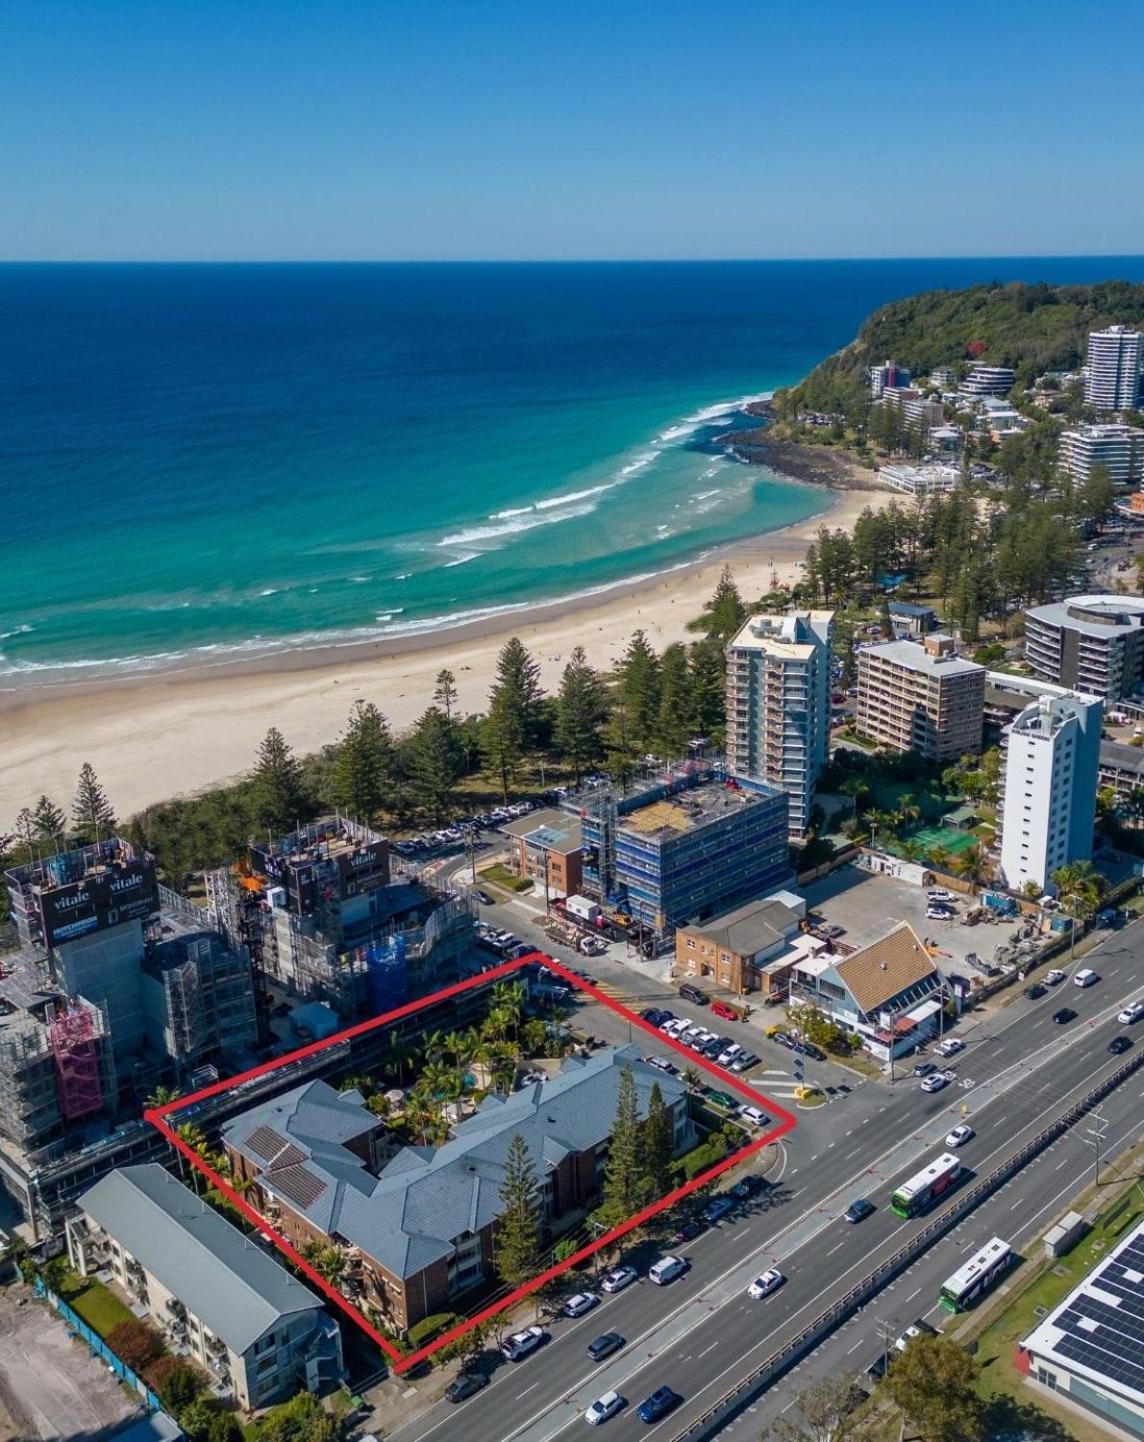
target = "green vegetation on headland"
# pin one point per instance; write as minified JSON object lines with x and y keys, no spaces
{"x":1033,"y":328}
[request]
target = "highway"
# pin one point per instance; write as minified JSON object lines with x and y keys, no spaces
{"x":702,"y":1334}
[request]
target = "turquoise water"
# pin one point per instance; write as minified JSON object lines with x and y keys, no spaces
{"x":202,"y":462}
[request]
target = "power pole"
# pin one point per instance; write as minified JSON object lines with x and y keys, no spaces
{"x":1096,"y":1133}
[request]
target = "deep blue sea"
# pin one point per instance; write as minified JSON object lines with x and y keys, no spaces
{"x":198,"y":462}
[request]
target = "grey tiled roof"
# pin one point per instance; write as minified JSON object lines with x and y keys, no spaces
{"x":425,"y":1198}
{"x":219,"y":1274}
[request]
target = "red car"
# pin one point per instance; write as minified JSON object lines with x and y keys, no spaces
{"x":725,"y":1010}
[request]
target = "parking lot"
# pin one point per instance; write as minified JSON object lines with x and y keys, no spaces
{"x":866,"y":905}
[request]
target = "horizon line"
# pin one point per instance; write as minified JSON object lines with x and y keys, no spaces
{"x":563,"y":260}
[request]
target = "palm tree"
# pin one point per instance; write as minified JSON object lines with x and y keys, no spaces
{"x":161,"y":1096}
{"x":971,"y":865}
{"x":508,"y":996}
{"x":911,"y":849}
{"x":1079,"y":887}
{"x":908,"y":808}
{"x":193,"y":1137}
{"x":939,"y":857}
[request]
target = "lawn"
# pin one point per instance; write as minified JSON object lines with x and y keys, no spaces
{"x":99,"y":1307}
{"x":501,"y":876}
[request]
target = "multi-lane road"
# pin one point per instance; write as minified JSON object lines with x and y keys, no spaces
{"x":703,"y":1334}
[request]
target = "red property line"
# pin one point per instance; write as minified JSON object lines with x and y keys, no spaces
{"x":402,"y":1362}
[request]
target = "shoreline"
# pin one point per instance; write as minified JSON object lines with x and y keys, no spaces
{"x":158,"y":734}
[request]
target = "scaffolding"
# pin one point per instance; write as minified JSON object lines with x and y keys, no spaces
{"x":77,"y":1063}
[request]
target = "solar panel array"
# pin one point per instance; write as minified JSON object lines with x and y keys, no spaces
{"x":299,"y":1185}
{"x":1105,"y":1337}
{"x":265,"y":1142}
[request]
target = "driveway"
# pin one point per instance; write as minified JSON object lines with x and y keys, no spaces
{"x":51,"y":1387}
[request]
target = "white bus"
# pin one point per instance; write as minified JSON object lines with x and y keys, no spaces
{"x":976,"y":1276}
{"x":922,"y":1190}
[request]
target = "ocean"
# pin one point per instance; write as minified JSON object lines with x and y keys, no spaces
{"x":199,"y":462}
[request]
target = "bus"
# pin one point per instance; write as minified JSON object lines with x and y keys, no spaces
{"x":920,"y":1192}
{"x":976,"y":1276}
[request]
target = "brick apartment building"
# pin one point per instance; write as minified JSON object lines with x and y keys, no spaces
{"x":547,"y":841}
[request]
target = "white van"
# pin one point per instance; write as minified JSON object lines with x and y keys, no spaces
{"x":666,"y":1270}
{"x":1087,"y":977}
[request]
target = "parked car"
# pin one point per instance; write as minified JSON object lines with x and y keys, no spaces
{"x":579,"y":1304}
{"x":744,"y":1061}
{"x":658,"y":1405}
{"x":748,"y":1186}
{"x":925,"y":1068}
{"x":483,"y":897}
{"x":753,"y":1115}
{"x":1085,"y":977}
{"x":770,"y":1281}
{"x":725,"y":1011}
{"x":1054,"y":976}
{"x":522,"y":1344}
{"x":859,"y":1210}
{"x":466,"y":1385}
{"x":939,"y":913}
{"x":603,"y":1408}
{"x":783,"y":1039}
{"x":1120,"y":1044}
{"x":666,"y":1270}
{"x":693,"y":994}
{"x":619,"y":1278}
{"x":960,"y":1135}
{"x":1034,"y":992}
{"x":717,"y":1208}
{"x":951,"y":1046}
{"x":1131,"y":1013}
{"x":604,"y":1346}
{"x":690,"y":1229}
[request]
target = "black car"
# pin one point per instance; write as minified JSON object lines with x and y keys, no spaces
{"x":859,"y":1210}
{"x":658,"y":1405}
{"x":1036,"y":991}
{"x":654,"y":1016}
{"x":925,"y":1068}
{"x":687,"y":1232}
{"x":484,"y":898}
{"x":748,"y":1186}
{"x":466,"y":1385}
{"x":1119,"y":1044}
{"x":604,"y":1346}
{"x":784,"y":1039}
{"x":1066,"y":1014}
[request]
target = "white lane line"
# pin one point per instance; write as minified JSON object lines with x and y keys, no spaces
{"x":712,"y":1347}
{"x":860,"y":1342}
{"x":527,"y":1390}
{"x":838,"y":1248}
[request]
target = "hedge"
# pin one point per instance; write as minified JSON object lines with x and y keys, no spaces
{"x":430,"y":1327}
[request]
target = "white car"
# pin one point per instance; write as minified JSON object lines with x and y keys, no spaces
{"x":619,"y":1278}
{"x":936,"y":1082}
{"x":763,"y":1286}
{"x":938,"y":913}
{"x":579,"y":1304}
{"x":1055,"y":976}
{"x":1132,"y":1012}
{"x":753,"y":1115}
{"x":960,"y":1135}
{"x":726,"y":1057}
{"x":951,"y":1046}
{"x":1086,"y":977}
{"x":522,"y":1344}
{"x":666,"y":1270}
{"x":603,"y":1408}
{"x":939,"y":893}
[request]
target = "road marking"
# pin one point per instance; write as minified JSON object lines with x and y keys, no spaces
{"x":860,"y":1342}
{"x":527,"y":1390}
{"x":838,"y":1248}
{"x":712,"y":1347}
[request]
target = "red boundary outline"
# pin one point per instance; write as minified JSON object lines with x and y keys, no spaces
{"x":401,"y":1361}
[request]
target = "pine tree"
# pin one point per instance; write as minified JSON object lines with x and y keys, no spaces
{"x":277,"y":784}
{"x":708,"y":685}
{"x":510,"y":726}
{"x":436,"y":761}
{"x":445,"y":692}
{"x":673,"y":727}
{"x":724,"y":613}
{"x":580,"y":711}
{"x":516,"y":1240}
{"x":362,"y":771}
{"x":91,"y":810}
{"x":639,"y":691}
{"x":49,"y":822}
{"x":625,"y":1171}
{"x":619,"y":749}
{"x":659,"y":1144}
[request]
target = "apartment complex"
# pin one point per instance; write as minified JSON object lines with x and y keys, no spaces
{"x":1119,"y":448}
{"x":914,"y":406}
{"x":888,"y":374}
{"x":1113,"y":369}
{"x":546,"y":850}
{"x":417,"y":1229}
{"x":985,"y":380}
{"x":1092,"y":643}
{"x":213,"y":1292}
{"x":731,"y":950}
{"x":1048,"y":810}
{"x":921,"y":696}
{"x":682,"y":844}
{"x":778,"y":705}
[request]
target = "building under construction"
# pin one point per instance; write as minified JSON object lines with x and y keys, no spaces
{"x":322,"y":917}
{"x":683,"y":844}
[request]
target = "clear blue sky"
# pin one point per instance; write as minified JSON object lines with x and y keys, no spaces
{"x":452,"y":129}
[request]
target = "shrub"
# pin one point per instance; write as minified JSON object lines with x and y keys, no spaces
{"x":430,"y":1327}
{"x":704,"y":1156}
{"x":178,"y":1383}
{"x":135,"y":1343}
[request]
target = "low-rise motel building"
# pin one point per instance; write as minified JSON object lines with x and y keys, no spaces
{"x":416,"y":1229}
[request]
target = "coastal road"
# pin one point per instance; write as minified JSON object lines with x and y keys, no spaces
{"x":701,"y":1334}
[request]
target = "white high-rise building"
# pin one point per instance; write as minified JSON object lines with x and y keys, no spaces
{"x":1113,"y":369}
{"x":1118,"y":447}
{"x":778,"y":705}
{"x":1048,"y":810}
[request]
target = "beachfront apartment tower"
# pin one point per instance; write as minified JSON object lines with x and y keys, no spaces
{"x":1119,"y":448}
{"x":921,"y":697}
{"x":1092,"y":643}
{"x":1048,"y":809}
{"x":1113,"y":369}
{"x":988,"y":381}
{"x":778,"y":705}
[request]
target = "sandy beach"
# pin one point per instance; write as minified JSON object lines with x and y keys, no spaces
{"x":156,"y":736}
